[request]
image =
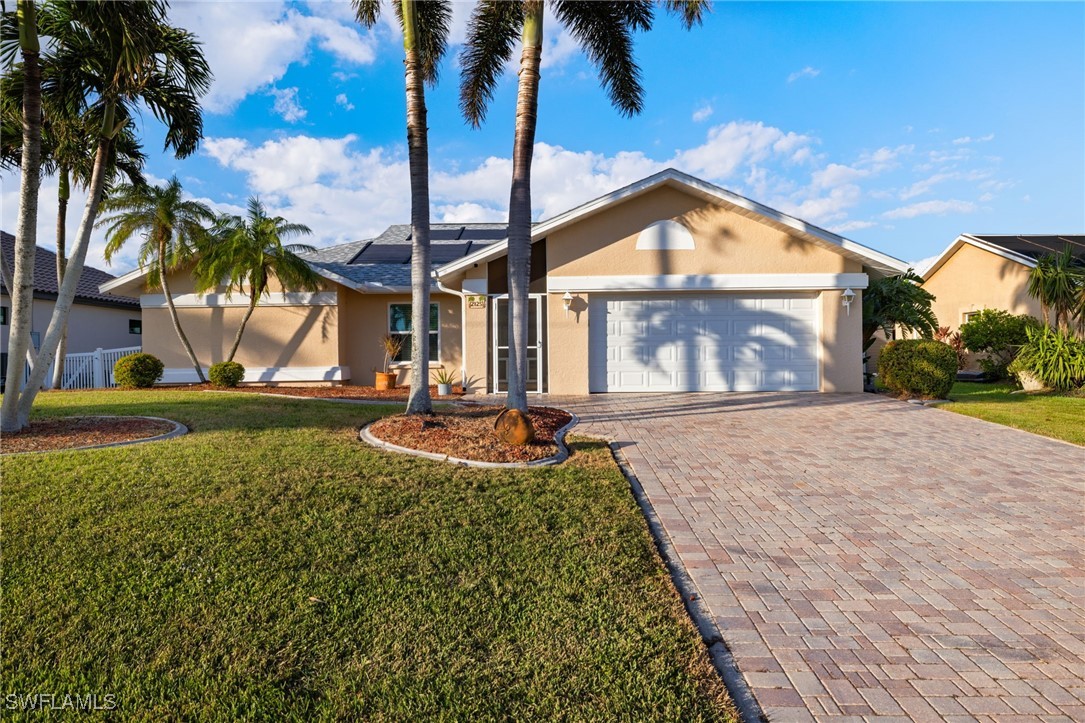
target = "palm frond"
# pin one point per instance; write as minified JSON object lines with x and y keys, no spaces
{"x":690,"y":11}
{"x":491,"y":37}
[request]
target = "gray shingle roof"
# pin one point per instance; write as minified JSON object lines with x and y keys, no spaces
{"x":385,"y":260}
{"x":45,"y":277}
{"x":1036,"y":245}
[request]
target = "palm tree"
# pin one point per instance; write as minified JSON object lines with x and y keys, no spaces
{"x":247,"y":252}
{"x":605,"y":32}
{"x":1058,"y":283}
{"x":425,"y":33}
{"x":894,"y":301}
{"x":21,"y":288}
{"x":172,"y":227}
{"x":112,"y":57}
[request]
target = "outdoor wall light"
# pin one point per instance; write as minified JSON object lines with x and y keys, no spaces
{"x":847,"y":298}
{"x":567,"y":302}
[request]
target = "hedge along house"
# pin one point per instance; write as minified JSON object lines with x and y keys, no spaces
{"x":669,"y":284}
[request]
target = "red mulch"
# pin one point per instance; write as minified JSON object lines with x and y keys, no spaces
{"x":343,"y":392}
{"x":468,"y":433}
{"x":47,"y":435}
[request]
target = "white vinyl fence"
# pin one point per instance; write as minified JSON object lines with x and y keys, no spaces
{"x":89,"y":370}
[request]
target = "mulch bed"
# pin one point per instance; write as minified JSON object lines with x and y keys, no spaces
{"x":46,"y":435}
{"x":468,"y":433}
{"x":343,"y":392}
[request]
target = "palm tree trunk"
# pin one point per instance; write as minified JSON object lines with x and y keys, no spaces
{"x":63,"y":194}
{"x":419,"y":401}
{"x":519,"y":261}
{"x":72,"y":271}
{"x":244,"y":320}
{"x":164,"y":276}
{"x":22,"y":289}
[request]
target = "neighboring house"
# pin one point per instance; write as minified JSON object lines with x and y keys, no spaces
{"x":668,"y":284}
{"x":97,"y":320}
{"x":990,"y":271}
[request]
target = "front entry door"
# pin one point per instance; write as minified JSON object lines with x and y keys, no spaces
{"x":501,"y":343}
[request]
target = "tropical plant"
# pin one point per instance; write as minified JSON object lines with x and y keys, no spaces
{"x":226,"y":374}
{"x":997,"y":334}
{"x":918,"y":367}
{"x":954,"y":340}
{"x":897,"y":301}
{"x":110,"y":58}
{"x":247,"y":252}
{"x":444,"y":376}
{"x":172,"y":228}
{"x":605,"y":31}
{"x":391,"y":345}
{"x":1058,"y":283}
{"x":1055,"y":357}
{"x":425,"y":34}
{"x":138,"y":371}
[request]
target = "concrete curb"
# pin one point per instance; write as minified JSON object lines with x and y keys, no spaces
{"x":177,"y":431}
{"x":559,"y":439}
{"x":748,"y":708}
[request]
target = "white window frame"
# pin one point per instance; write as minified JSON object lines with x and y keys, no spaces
{"x":966,"y":316}
{"x":406,"y":364}
{"x":541,"y":299}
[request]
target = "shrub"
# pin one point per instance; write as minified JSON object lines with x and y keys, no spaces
{"x":226,"y":374}
{"x":1056,"y":358}
{"x":954,"y":341}
{"x":138,"y":371}
{"x":998,"y":334}
{"x":918,"y":367}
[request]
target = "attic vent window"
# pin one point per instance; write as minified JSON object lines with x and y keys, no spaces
{"x":665,"y":236}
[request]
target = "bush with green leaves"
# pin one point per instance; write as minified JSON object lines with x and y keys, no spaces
{"x":138,"y":371}
{"x":1057,"y":358}
{"x":921,"y":368}
{"x":997,"y":334}
{"x":226,"y":374}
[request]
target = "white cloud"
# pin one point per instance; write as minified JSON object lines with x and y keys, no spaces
{"x":922,"y":265}
{"x":965,"y":140}
{"x":703,"y":113}
{"x":806,"y":72}
{"x":931,"y":208}
{"x":849,"y":226}
{"x":250,"y":45}
{"x":286,"y":104}
{"x":343,"y":101}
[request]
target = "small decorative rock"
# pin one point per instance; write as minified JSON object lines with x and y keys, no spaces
{"x":514,"y":427}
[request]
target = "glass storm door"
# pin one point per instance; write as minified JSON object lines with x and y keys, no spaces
{"x":501,"y":343}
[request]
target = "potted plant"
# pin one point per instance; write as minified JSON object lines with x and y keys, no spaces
{"x":445,"y":380}
{"x":392,"y":346}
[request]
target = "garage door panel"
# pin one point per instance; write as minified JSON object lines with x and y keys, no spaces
{"x":704,"y":342}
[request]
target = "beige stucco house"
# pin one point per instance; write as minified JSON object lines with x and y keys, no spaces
{"x":989,"y":271}
{"x":669,"y":284}
{"x":97,"y":320}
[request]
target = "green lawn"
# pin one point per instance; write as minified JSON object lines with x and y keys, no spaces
{"x":1052,"y":415}
{"x":270,"y":566}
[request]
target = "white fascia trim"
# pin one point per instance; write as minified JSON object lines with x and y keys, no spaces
{"x":128,"y":278}
{"x":187,"y":375}
{"x":883,"y":262}
{"x":301,"y":298}
{"x":707,"y":282}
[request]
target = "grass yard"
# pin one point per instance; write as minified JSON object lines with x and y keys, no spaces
{"x":270,"y":566}
{"x":1052,"y":415}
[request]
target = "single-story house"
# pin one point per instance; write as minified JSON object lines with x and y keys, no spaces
{"x":990,"y":271}
{"x":668,"y":284}
{"x":97,"y":320}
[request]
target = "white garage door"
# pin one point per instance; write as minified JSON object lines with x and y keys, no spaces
{"x":708,"y":342}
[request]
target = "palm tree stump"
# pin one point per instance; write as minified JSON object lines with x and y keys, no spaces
{"x":514,"y":427}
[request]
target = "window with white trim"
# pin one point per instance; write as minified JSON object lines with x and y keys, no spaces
{"x":968,"y":316}
{"x":399,"y":325}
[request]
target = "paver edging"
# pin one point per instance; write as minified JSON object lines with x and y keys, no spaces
{"x":718,"y":651}
{"x":559,"y":439}
{"x":177,"y":431}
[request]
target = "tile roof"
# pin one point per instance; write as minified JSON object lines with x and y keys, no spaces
{"x":1035,"y":245}
{"x":385,"y":260}
{"x":45,"y":276}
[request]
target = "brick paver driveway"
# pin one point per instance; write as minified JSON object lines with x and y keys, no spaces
{"x":867,"y":557}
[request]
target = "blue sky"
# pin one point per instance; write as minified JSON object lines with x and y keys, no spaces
{"x":899,"y":125}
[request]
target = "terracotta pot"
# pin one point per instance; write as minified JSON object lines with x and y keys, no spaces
{"x":385,"y":380}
